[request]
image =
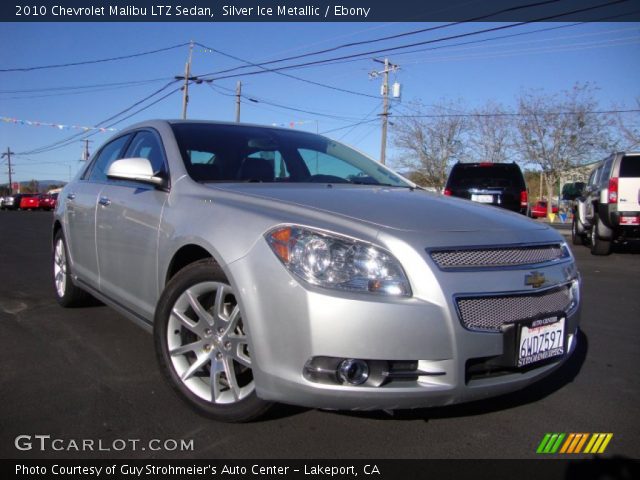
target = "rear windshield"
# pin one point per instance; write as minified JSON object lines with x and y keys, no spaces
{"x":630,"y":166}
{"x":229,"y":153}
{"x":496,"y":175}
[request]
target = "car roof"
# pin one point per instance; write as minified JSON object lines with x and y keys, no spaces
{"x":159,"y":123}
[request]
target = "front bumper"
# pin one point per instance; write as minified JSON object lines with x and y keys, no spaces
{"x":290,"y":323}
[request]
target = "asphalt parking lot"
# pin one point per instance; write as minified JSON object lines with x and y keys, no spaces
{"x":89,"y":373}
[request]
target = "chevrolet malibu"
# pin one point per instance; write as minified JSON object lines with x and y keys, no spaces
{"x":274,"y":265}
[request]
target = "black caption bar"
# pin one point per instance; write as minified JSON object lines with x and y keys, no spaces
{"x":597,"y":468}
{"x":317,"y":11}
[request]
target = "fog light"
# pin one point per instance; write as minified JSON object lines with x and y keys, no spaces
{"x":353,"y":371}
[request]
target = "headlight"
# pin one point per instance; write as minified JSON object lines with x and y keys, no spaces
{"x":566,"y":251}
{"x":341,"y":263}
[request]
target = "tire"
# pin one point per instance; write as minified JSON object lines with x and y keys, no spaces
{"x":67,"y":294}
{"x":598,"y":245}
{"x":202,"y":345}
{"x":576,"y":238}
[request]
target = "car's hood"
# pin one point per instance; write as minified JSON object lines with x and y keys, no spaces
{"x":389,"y":208}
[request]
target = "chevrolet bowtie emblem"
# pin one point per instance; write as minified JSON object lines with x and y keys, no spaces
{"x":535,"y":279}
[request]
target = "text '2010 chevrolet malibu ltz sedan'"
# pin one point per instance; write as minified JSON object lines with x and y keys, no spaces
{"x":275,"y":265}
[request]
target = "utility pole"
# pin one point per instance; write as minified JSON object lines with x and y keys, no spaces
{"x":388,"y":67}
{"x":187,"y":78}
{"x":185,"y":89}
{"x":85,"y":152}
{"x":238,"y":96}
{"x":8,"y":155}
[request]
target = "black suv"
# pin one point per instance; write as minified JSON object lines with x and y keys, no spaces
{"x":498,"y":184}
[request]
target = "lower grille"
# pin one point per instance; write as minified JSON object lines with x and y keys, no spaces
{"x":489,"y":314}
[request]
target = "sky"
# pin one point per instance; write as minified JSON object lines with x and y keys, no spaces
{"x":605,"y":54}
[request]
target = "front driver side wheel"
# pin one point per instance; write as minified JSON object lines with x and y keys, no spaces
{"x":202,"y":345}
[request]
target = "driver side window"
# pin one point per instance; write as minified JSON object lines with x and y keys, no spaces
{"x":145,"y":145}
{"x":110,"y":153}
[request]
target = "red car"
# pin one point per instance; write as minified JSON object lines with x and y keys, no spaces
{"x":48,"y":202}
{"x":29,"y":201}
{"x":539,"y":210}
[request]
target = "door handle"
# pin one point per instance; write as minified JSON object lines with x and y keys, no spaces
{"x":71,"y":196}
{"x":104,"y":201}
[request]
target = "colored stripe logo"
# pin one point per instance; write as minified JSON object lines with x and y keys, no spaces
{"x":574,"y":443}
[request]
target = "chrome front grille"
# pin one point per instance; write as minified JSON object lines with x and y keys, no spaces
{"x":497,"y":256}
{"x":489,"y":313}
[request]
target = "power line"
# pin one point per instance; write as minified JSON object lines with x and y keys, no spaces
{"x":349,"y":126}
{"x":353,"y":127}
{"x":388,"y":37}
{"x":368,"y":132}
{"x":426,"y":42}
{"x":70,"y":93}
{"x":122,"y":119}
{"x":489,"y":39}
{"x":90,"y":62}
{"x":79,"y":87}
{"x":144,"y":108}
{"x":254,"y":99}
{"x":500,"y":37}
{"x":536,"y":50}
{"x":54,"y":145}
{"x":549,"y":39}
{"x":264,"y":69}
{"x":73,"y":140}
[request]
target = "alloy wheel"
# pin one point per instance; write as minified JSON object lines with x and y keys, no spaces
{"x":207,"y":344}
{"x":60,"y":268}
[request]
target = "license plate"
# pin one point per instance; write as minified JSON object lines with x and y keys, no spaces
{"x":482,"y":198}
{"x":630,"y":220}
{"x":541,"y":340}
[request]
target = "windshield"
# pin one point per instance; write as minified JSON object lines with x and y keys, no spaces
{"x":230,"y":153}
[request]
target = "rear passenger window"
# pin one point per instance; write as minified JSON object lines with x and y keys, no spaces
{"x":630,"y":167}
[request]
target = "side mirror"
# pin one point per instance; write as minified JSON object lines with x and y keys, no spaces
{"x":571,"y":191}
{"x":136,"y":169}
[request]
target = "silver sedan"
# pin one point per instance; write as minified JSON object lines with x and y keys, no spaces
{"x":280,"y":266}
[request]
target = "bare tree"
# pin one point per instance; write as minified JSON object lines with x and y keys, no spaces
{"x":429,"y":142}
{"x":627,"y":128}
{"x":560,"y":131}
{"x":491,"y":134}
